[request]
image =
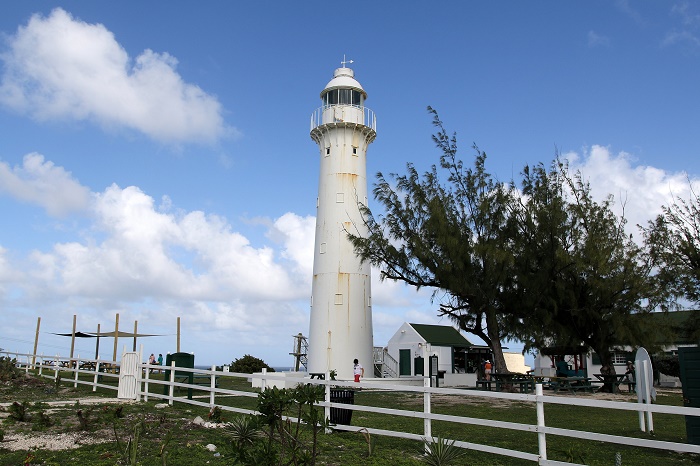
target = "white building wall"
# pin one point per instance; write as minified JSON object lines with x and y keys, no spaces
{"x":515,"y":362}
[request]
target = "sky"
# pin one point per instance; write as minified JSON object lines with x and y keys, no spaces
{"x":155,"y":158}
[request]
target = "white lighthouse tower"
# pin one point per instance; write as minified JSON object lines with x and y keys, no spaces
{"x":341,"y":299}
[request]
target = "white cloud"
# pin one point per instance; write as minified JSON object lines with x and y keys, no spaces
{"x":41,"y":183}
{"x":6,"y":273}
{"x":687,"y":16}
{"x":297,"y":235}
{"x":151,"y":254}
{"x":641,"y":190}
{"x":596,"y":40}
{"x":686,"y":32}
{"x":58,"y":67}
{"x":681,"y":37}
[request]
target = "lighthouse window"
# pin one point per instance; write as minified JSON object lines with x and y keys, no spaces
{"x":328,"y":151}
{"x":354,"y":151}
{"x":342,"y":97}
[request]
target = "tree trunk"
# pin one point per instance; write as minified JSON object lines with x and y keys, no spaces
{"x":607,"y":370}
{"x":499,"y":361}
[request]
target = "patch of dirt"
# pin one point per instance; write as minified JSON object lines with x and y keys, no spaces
{"x":53,"y":441}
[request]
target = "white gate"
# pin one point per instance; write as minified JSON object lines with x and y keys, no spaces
{"x":129,"y":375}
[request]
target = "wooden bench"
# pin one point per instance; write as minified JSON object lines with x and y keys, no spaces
{"x":584,"y":385}
{"x":484,"y":384}
{"x":552,"y":385}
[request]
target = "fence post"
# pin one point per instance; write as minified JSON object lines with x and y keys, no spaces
{"x":327,"y":399}
{"x":55,"y":368}
{"x":541,"y":438}
{"x":172,"y":381}
{"x":41,"y":364}
{"x":145,"y":383}
{"x":77,"y":365}
{"x":97,"y":372}
{"x":427,"y":426}
{"x":212,"y":386}
{"x":647,"y":395}
{"x":263,"y":381}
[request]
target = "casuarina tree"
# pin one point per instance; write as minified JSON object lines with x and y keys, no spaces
{"x":673,"y":241}
{"x":579,"y":277}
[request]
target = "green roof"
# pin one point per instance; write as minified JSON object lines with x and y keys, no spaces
{"x":441,"y":335}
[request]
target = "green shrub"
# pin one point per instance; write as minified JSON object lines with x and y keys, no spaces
{"x":442,"y":452}
{"x":668,"y":365}
{"x":249,"y":364}
{"x":42,"y":421}
{"x":19,"y":411}
{"x":8,"y":369}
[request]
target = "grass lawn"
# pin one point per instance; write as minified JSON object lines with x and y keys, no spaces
{"x":169,"y":431}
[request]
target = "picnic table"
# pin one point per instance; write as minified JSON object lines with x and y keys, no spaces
{"x":572,"y":384}
{"x":508,"y":381}
{"x":615,"y":380}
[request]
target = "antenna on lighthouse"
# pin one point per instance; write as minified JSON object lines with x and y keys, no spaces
{"x":345,"y":62}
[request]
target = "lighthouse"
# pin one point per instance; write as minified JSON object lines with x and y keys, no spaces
{"x":341,"y":299}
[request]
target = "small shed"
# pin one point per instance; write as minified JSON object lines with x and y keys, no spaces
{"x":455,"y":353}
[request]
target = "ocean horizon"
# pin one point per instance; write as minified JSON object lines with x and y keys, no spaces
{"x":277,"y":369}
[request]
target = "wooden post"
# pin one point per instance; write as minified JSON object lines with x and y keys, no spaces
{"x":72,"y":339}
{"x":36,"y":340}
{"x":178,"y":335}
{"x":116,"y":336}
{"x":97,"y":343}
{"x":136,"y":326}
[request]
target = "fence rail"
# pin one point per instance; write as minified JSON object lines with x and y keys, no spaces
{"x":102,"y":368}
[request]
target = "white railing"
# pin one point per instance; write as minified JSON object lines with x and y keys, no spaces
{"x":51,"y":367}
{"x":322,"y":115}
{"x":539,"y":400}
{"x":388,"y":365}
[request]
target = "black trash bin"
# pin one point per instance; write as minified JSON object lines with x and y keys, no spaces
{"x":340,"y":415}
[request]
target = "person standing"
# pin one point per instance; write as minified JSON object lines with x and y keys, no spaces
{"x":487,"y":369}
{"x":358,"y":370}
{"x":151,"y":361}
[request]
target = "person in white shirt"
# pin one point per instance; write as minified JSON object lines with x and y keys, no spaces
{"x":358,"y":370}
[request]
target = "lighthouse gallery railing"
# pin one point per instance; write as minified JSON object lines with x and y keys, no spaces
{"x":343,"y":114}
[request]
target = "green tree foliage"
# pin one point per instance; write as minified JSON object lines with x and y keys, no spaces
{"x":249,"y":364}
{"x":579,"y":277}
{"x":673,"y":242}
{"x":448,"y":236}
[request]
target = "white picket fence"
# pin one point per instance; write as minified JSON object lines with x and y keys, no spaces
{"x":135,"y":385}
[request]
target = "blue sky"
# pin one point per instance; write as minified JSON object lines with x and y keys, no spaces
{"x":155,"y":158}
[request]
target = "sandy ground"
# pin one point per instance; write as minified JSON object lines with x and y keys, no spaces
{"x":64,"y":441}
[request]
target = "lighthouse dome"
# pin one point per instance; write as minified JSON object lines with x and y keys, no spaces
{"x":345,"y":83}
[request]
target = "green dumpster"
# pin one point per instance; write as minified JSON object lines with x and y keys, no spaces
{"x":689,"y":358}
{"x":181,"y":360}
